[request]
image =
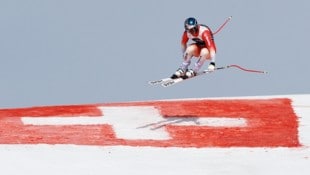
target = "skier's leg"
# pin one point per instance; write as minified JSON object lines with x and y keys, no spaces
{"x":191,"y":50}
{"x":204,"y":55}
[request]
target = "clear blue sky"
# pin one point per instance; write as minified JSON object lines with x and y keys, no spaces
{"x":56,"y":52}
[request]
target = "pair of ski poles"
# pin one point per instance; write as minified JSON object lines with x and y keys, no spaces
{"x":234,"y":65}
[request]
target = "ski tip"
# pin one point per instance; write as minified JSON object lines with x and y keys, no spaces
{"x":168,"y":84}
{"x":154,"y":82}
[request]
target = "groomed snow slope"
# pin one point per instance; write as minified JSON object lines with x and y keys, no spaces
{"x":176,"y":140}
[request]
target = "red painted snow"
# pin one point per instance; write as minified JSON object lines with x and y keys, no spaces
{"x":271,"y":123}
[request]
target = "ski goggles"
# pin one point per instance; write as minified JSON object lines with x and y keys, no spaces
{"x":193,"y":30}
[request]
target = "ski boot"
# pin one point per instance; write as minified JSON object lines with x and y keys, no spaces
{"x":189,"y":73}
{"x":179,"y":73}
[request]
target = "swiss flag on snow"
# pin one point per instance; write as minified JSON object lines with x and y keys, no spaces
{"x":188,"y":123}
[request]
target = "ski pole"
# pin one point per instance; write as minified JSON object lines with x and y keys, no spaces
{"x":241,"y":68}
{"x":222,"y":26}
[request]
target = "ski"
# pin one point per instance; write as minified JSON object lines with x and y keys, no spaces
{"x":160,"y":81}
{"x":172,"y":82}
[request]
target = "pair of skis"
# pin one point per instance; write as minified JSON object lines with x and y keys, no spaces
{"x":167,"y":82}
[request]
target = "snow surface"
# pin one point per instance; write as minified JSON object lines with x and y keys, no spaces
{"x":81,"y":160}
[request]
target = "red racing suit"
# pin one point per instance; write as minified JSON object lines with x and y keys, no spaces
{"x":203,"y":39}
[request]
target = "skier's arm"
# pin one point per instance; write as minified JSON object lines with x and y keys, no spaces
{"x":208,"y":39}
{"x":184,"y":42}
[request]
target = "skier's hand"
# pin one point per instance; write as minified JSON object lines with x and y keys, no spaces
{"x":211,"y":67}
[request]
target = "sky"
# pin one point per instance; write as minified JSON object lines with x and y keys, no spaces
{"x":59,"y":52}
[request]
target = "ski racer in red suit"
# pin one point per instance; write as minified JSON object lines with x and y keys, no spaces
{"x":202,"y":47}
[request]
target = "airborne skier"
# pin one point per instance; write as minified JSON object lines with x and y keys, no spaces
{"x":203,"y":47}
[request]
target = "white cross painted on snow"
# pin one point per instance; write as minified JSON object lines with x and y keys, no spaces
{"x":137,"y":122}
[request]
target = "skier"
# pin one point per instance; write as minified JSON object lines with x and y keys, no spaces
{"x":203,"y":47}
